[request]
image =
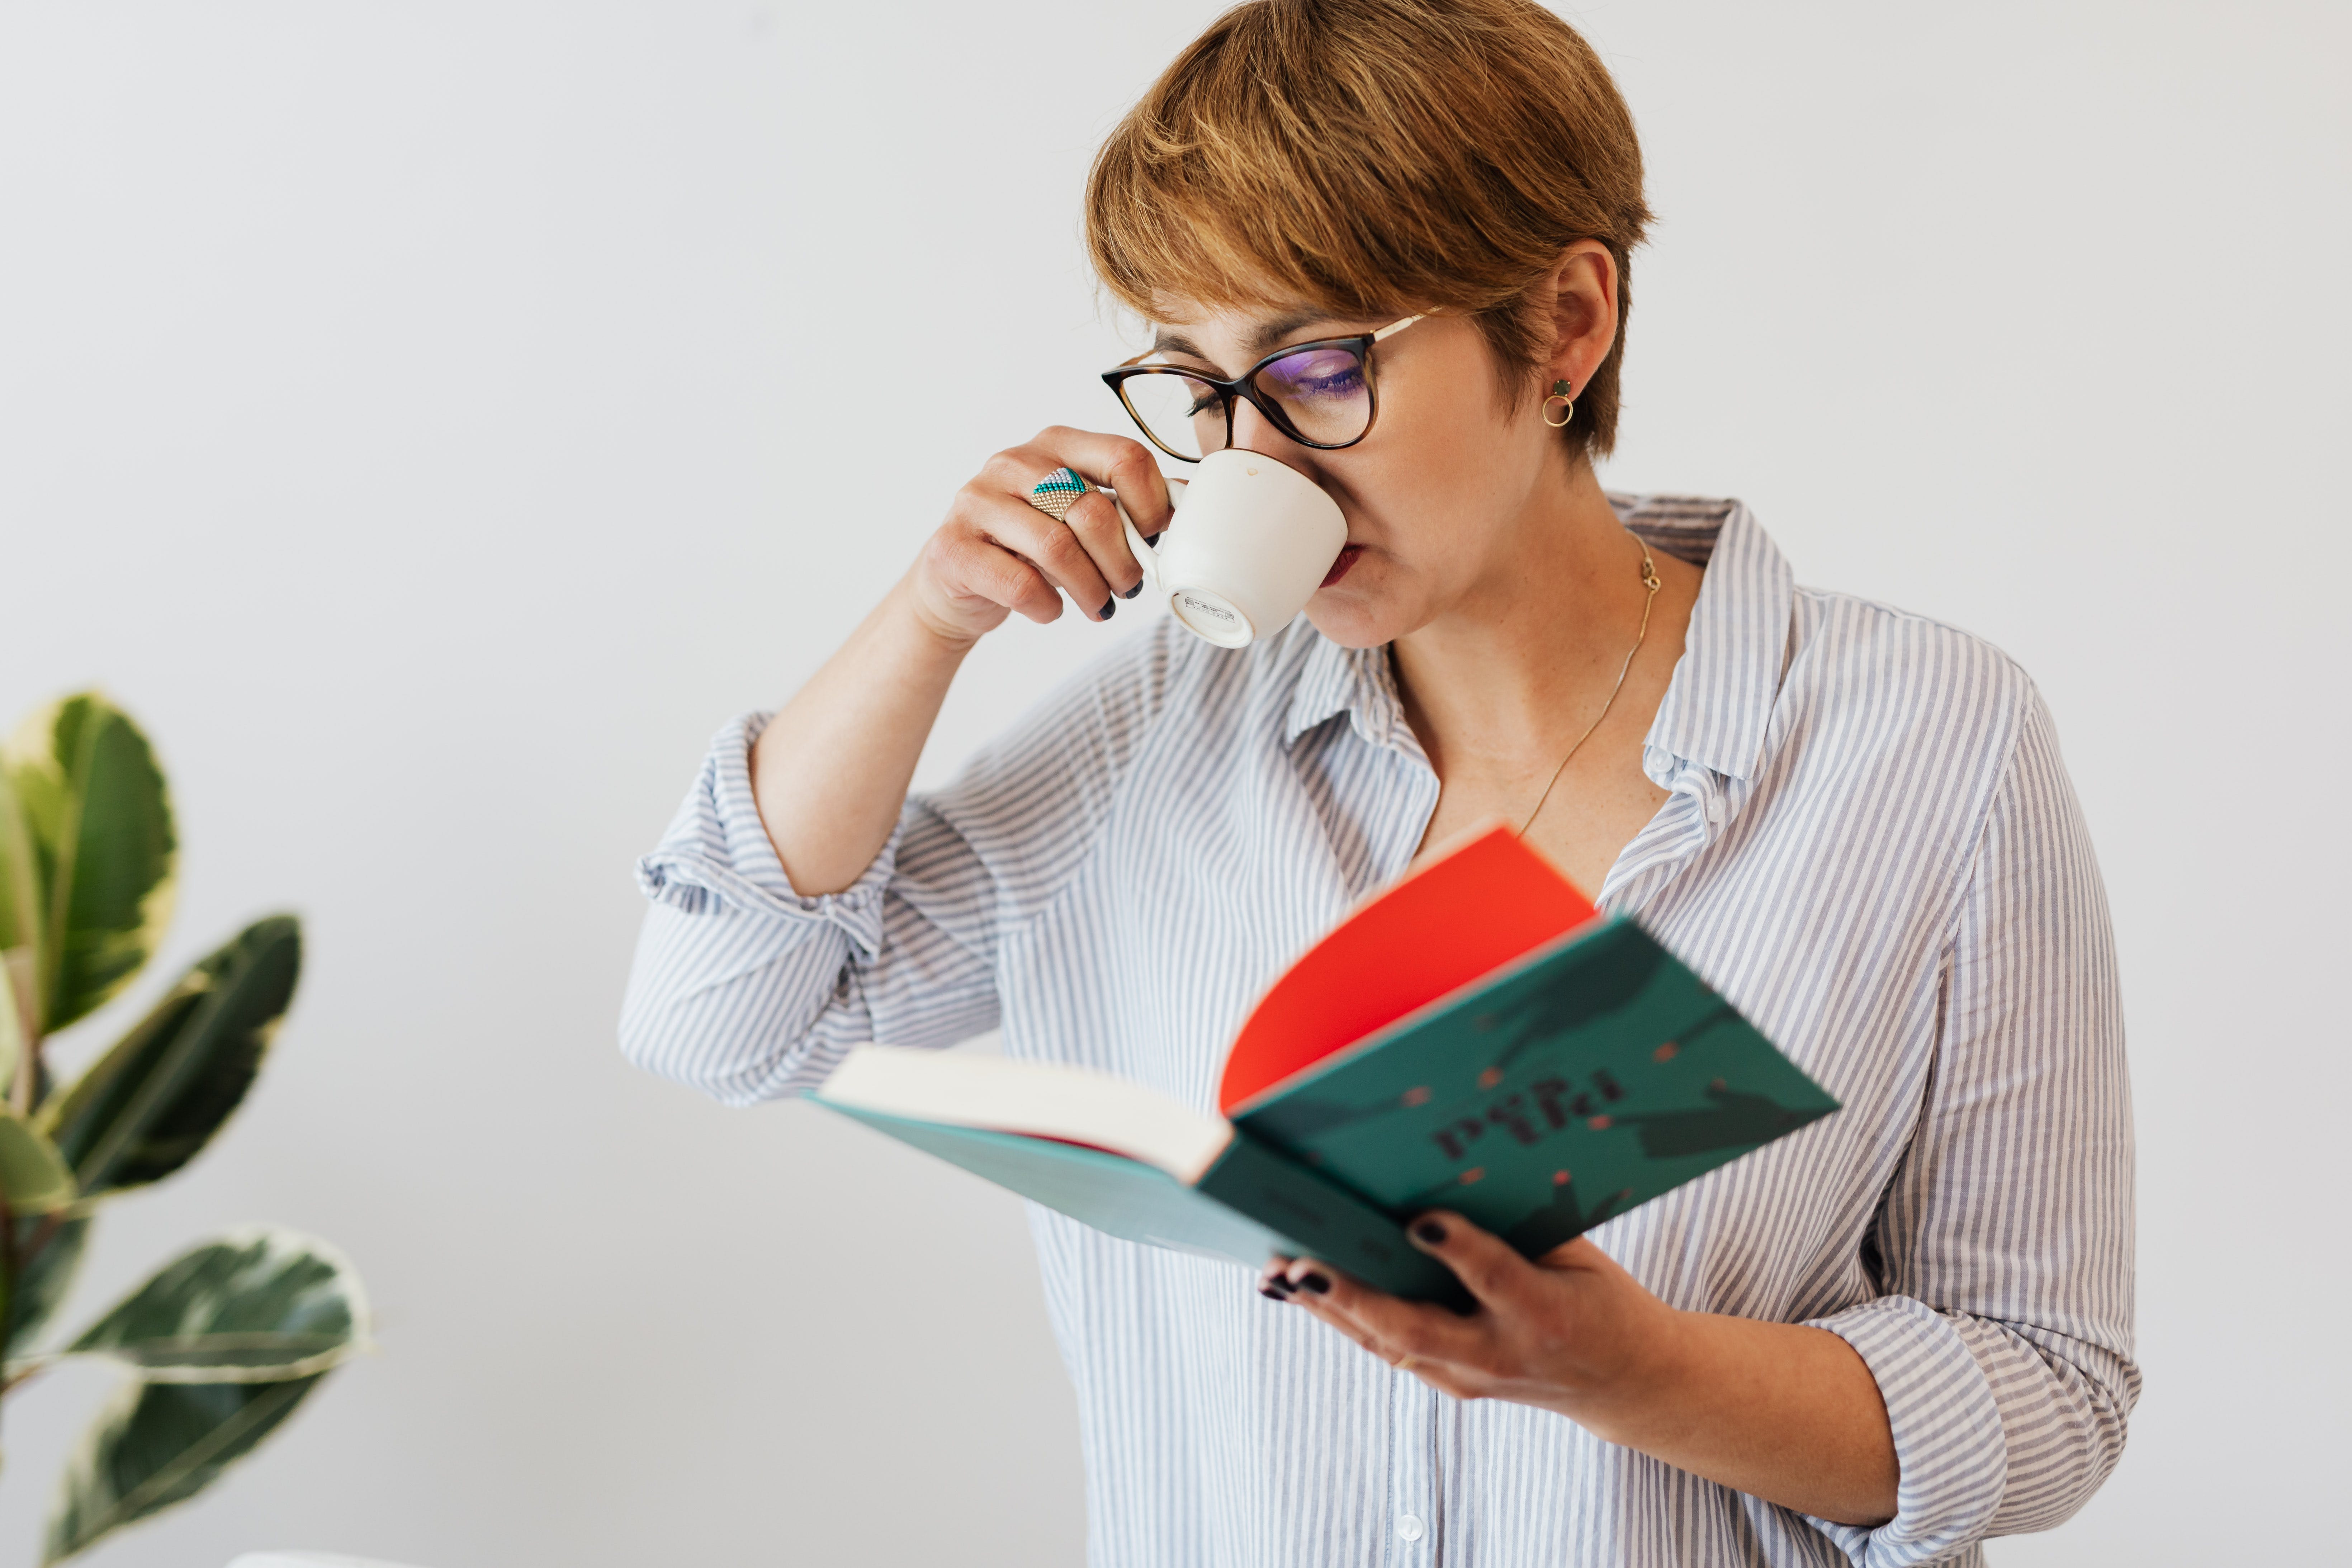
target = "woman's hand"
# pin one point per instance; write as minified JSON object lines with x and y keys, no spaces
{"x":831,"y":770}
{"x":1572,"y":1333}
{"x":1785,"y":1413}
{"x":996,"y":553}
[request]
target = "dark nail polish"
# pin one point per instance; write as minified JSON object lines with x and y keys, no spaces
{"x":1317,"y":1283}
{"x":1131,"y":593}
{"x":1108,"y":607}
{"x":1430,"y":1231}
{"x":1271,"y":1294}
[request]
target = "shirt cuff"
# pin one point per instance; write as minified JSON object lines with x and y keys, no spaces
{"x":1948,"y":1440}
{"x":717,"y":854}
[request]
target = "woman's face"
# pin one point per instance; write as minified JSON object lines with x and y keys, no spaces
{"x":1434,"y":496}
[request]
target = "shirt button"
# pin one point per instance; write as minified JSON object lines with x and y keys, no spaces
{"x":1410,"y":1527}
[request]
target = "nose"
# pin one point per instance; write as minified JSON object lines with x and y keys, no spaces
{"x":1254,"y":432}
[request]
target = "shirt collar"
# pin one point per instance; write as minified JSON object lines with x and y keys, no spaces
{"x":1357,"y":681}
{"x":1719,"y":703}
{"x":1720,"y":700}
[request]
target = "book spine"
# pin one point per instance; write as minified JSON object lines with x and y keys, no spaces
{"x":1324,"y":1221}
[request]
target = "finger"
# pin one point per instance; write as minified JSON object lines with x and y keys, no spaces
{"x":1497,"y":1275}
{"x":1455,"y":1382}
{"x":973,"y":566}
{"x":1577,"y":1252}
{"x":1105,"y":461}
{"x":1044,"y":542}
{"x":1037,"y":476}
{"x":1459,"y":1378}
{"x":1119,"y":463}
{"x":1095,"y":520}
{"x":1338,"y":1324}
{"x":1395,"y":1327}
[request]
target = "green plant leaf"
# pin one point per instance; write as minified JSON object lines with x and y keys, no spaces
{"x":20,"y":901}
{"x":147,"y":1106}
{"x":12,"y":1015}
{"x":257,"y":1305}
{"x":20,"y":952}
{"x":157,"y":1443}
{"x":95,"y":819}
{"x":33,"y":1175}
{"x":43,"y":1276}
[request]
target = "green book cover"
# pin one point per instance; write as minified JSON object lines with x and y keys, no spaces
{"x":1476,"y":1039}
{"x":1586,"y":1079}
{"x":1249,"y":1204}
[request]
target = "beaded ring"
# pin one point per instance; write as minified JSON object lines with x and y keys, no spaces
{"x":1057,"y":492}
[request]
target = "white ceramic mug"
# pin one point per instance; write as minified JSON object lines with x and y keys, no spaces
{"x":1251,"y":541}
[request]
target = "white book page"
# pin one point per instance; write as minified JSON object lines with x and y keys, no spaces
{"x":963,"y":1088}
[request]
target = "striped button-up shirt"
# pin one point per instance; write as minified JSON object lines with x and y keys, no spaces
{"x":1869,"y":845}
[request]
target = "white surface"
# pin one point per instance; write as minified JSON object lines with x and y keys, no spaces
{"x":1041,"y":1099}
{"x":306,"y":1560}
{"x":433,"y":419}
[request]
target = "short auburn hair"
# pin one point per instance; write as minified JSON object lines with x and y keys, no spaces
{"x":1366,"y":156}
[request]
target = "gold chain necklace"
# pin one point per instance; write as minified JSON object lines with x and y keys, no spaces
{"x":1649,"y":582}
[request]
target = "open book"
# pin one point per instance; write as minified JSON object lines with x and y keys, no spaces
{"x":1475,"y":1037}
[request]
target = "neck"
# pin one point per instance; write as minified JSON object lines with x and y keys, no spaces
{"x":1508,"y":674}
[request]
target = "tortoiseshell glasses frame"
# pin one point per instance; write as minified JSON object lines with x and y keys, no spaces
{"x":1321,"y":395}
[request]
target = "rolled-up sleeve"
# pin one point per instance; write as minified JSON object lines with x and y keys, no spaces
{"x":747,"y":990}
{"x":2003,"y":1343}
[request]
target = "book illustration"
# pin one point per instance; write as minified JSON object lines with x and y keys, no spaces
{"x":1563,"y":1219}
{"x":1735,"y":1121}
{"x":1614,"y":968}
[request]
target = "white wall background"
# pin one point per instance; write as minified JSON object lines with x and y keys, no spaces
{"x":433,"y":419}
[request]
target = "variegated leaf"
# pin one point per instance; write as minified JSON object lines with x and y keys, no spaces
{"x":48,"y":1257}
{"x":157,"y":1443}
{"x":34,"y":1176}
{"x":257,"y":1305}
{"x":91,"y":841}
{"x":14,"y":1025}
{"x":147,"y":1106}
{"x":20,"y":904}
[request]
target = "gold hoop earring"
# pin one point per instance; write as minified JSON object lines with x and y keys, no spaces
{"x":1567,"y":401}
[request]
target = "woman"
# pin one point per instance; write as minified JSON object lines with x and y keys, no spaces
{"x":1885,"y":1338}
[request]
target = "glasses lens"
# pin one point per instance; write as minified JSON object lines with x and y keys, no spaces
{"x":1182,"y":414}
{"x":1323,"y":393}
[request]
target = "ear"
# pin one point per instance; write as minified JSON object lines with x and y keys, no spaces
{"x":1583,"y":291}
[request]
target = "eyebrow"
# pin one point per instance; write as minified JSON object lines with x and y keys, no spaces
{"x":1263,"y":340}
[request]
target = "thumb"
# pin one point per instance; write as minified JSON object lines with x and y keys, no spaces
{"x":1576,"y":1252}
{"x":1479,"y":1259}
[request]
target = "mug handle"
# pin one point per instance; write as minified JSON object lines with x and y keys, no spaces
{"x":1146,"y":554}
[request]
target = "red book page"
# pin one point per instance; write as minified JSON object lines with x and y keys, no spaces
{"x":1458,"y":918}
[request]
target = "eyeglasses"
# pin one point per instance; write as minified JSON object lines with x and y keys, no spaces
{"x":1320,"y":394}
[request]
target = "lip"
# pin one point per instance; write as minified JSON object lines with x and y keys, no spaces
{"x":1339,"y":567}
